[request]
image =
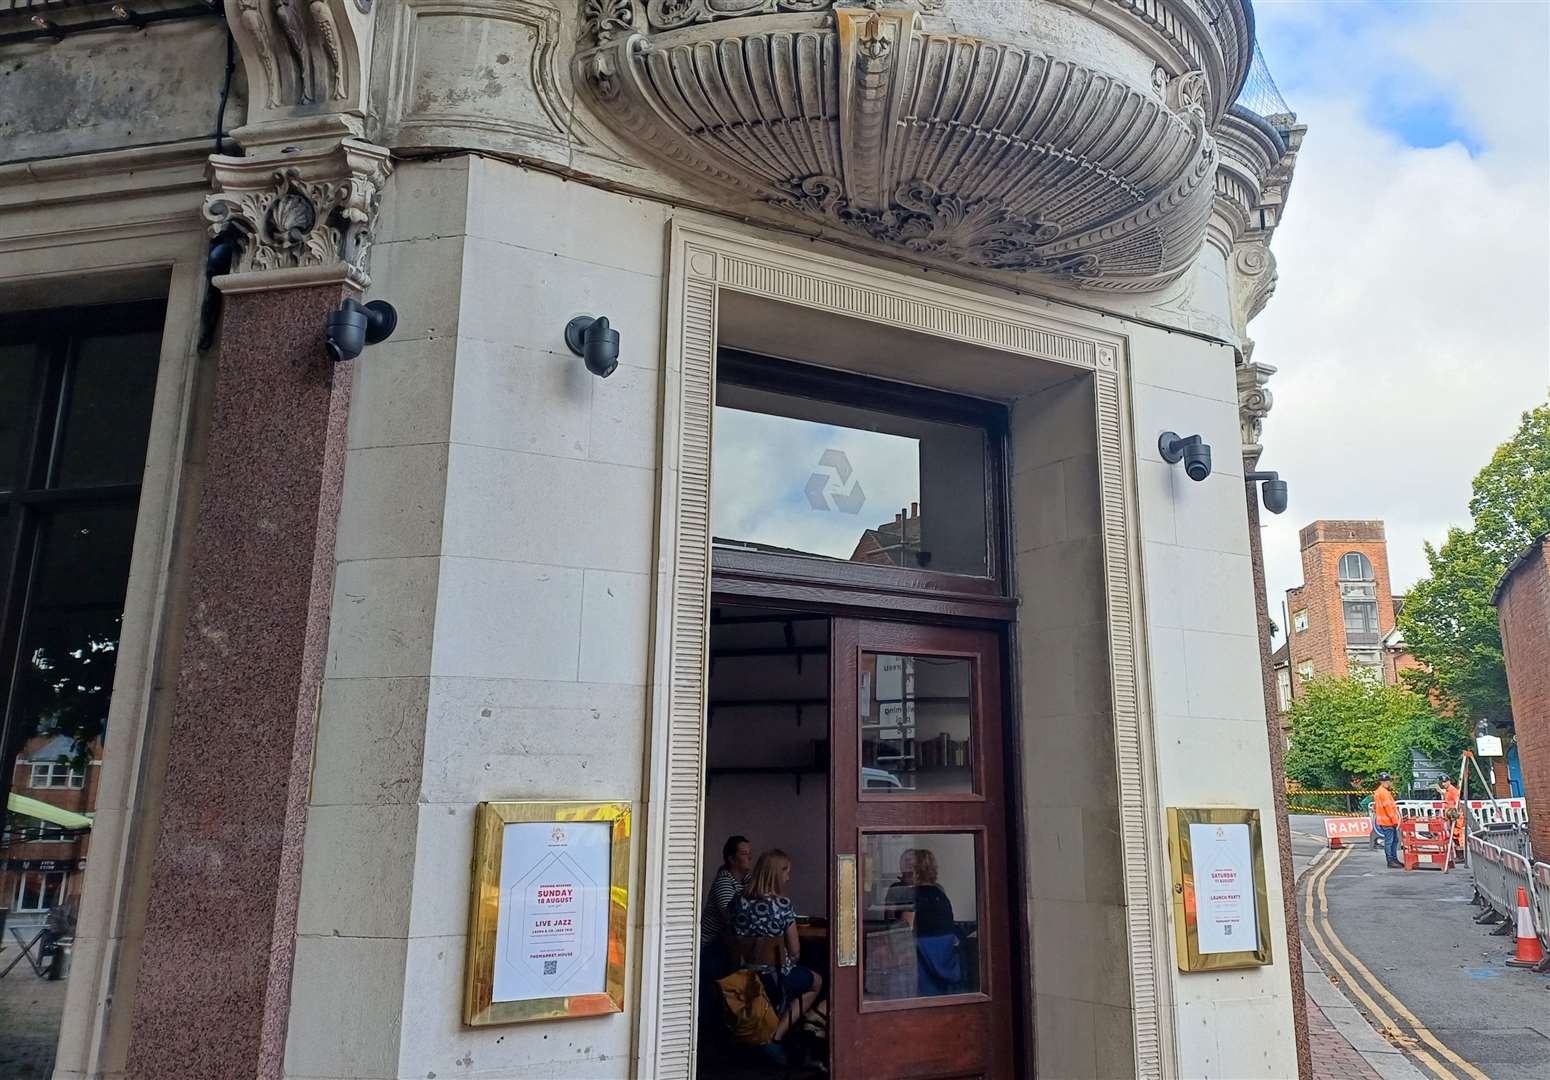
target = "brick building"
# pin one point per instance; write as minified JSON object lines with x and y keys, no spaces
{"x":1341,"y":618}
{"x":47,"y":826}
{"x":1522,"y":600}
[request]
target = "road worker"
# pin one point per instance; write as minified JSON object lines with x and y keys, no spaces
{"x":1385,"y":812}
{"x":1452,"y":812}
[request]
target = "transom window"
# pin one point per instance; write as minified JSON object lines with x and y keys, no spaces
{"x":1354,"y":566}
{"x":816,"y":465}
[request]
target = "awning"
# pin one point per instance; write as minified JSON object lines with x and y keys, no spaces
{"x":37,"y":808}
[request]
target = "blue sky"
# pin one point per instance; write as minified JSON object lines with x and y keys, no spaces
{"x":1410,"y":323}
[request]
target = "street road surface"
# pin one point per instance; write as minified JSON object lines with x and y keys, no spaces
{"x":1411,"y":951}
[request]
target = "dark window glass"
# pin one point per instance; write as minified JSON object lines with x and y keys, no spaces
{"x":112,"y":382}
{"x":18,"y":367}
{"x":66,"y":532}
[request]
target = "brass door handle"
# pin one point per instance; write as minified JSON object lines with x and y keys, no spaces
{"x":845,"y":911}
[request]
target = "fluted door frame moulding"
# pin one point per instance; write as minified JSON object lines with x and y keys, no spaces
{"x":706,"y":257}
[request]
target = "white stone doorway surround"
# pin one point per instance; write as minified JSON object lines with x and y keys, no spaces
{"x":715,"y":269}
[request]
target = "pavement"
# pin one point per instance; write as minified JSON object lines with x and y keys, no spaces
{"x":1397,"y":967}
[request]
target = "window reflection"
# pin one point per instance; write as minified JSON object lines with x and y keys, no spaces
{"x":94,"y":374}
{"x":798,"y":476}
{"x":921,"y":921}
{"x":917,"y":724}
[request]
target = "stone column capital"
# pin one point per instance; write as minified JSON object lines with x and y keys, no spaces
{"x":302,"y":215}
{"x":1254,"y":401}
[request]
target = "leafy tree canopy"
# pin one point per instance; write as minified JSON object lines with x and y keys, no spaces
{"x":1448,"y":621}
{"x":1344,"y":729}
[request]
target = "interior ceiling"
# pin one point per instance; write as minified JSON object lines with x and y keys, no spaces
{"x":793,"y":332}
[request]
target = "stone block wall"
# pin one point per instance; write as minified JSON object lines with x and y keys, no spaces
{"x":492,"y":605}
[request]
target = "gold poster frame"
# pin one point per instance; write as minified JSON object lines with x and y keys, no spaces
{"x":484,"y":913}
{"x":1186,"y":930}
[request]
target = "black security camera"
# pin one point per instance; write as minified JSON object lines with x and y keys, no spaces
{"x":1274,"y":490}
{"x":1194,"y":452}
{"x":595,"y":342}
{"x":356,"y":325}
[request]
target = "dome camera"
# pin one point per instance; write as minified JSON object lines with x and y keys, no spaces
{"x":595,"y":342}
{"x":1193,"y":451}
{"x":356,"y":325}
{"x":1273,"y":493}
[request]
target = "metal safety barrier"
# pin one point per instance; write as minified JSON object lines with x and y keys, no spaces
{"x":1499,"y":873}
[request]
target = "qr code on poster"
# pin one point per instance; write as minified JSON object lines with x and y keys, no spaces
{"x":1225,"y":930}
{"x":551,"y":967}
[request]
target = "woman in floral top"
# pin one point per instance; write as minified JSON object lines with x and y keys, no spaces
{"x":763,"y":910}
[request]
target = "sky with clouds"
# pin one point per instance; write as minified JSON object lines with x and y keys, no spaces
{"x":1411,"y":325}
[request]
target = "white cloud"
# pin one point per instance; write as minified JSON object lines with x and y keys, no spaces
{"x":1411,"y":325}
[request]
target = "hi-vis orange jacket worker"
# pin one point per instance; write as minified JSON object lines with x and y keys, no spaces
{"x":1384,"y":809}
{"x":1450,"y":809}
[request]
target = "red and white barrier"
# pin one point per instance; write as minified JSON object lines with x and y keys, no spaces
{"x":1498,"y":811}
{"x":1347,"y":830}
{"x":1424,"y":843}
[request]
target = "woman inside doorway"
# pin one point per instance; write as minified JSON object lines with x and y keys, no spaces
{"x":765,"y":925}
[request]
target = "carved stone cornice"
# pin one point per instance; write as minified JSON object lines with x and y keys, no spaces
{"x":1254,"y":401}
{"x":299,"y":218}
{"x":952,"y":147}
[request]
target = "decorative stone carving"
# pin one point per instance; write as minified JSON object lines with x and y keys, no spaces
{"x":311,"y":213}
{"x":952,"y":147}
{"x":672,"y":14}
{"x":297,"y":53}
{"x":1253,"y":280}
{"x":1254,"y":401}
{"x":602,"y":20}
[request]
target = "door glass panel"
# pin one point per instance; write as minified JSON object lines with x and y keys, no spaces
{"x":110,"y":392}
{"x":920,"y":915}
{"x":917,"y":725}
{"x":797,"y":476}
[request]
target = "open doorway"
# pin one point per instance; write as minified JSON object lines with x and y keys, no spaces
{"x":767,"y":791}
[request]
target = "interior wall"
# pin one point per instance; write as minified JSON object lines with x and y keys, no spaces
{"x":1074,"y":887}
{"x":786,"y":811}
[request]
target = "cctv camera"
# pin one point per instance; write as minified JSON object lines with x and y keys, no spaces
{"x":1193,"y":451}
{"x":1197,"y":460}
{"x":595,"y":342}
{"x":1275,"y":496}
{"x":355,"y":325}
{"x":1274,"y":490}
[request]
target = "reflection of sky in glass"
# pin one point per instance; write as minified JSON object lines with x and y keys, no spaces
{"x":763,"y":465}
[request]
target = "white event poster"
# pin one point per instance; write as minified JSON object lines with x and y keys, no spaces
{"x":1226,"y":913}
{"x":552,"y":936}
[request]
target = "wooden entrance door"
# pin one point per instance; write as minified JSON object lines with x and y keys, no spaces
{"x":922,"y":953}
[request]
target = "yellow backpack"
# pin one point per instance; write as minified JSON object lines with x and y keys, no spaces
{"x":750,"y":1016}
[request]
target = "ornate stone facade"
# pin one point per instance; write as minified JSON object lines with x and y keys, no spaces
{"x":991,"y":154}
{"x":299,"y":218}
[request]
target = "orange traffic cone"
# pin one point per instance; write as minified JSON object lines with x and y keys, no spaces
{"x":1530,"y":954}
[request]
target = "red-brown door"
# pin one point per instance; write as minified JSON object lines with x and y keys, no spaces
{"x":922,"y":953}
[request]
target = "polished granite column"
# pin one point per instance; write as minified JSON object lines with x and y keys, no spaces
{"x":213,"y":988}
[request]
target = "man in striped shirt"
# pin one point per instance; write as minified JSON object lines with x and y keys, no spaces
{"x":716,"y":921}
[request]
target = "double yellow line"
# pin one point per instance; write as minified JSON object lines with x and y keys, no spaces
{"x":1406,"y":1032}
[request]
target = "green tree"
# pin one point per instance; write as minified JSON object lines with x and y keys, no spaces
{"x":1349,"y":728}
{"x":1448,"y":621}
